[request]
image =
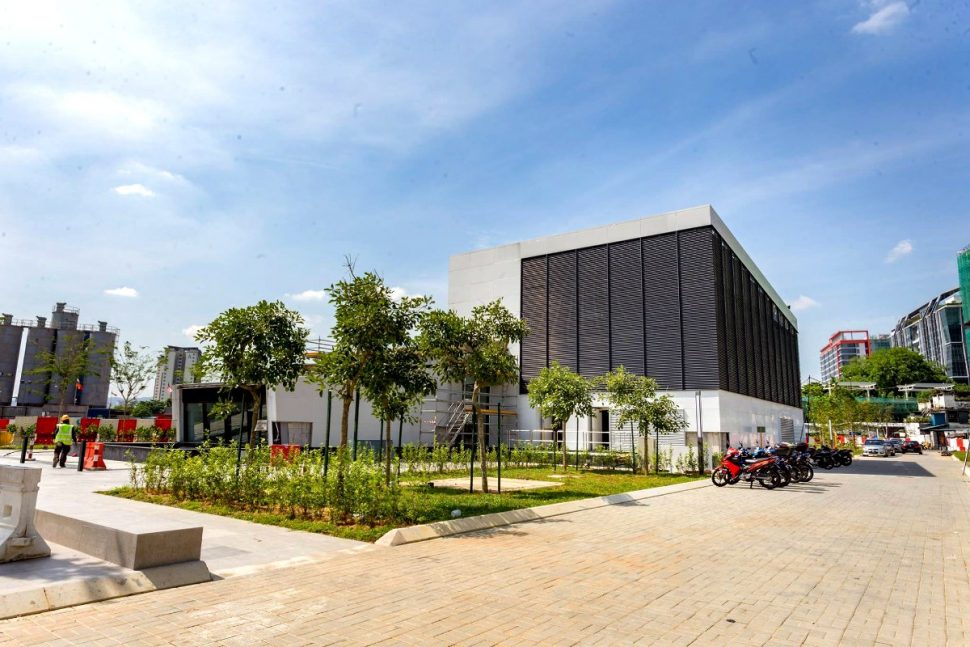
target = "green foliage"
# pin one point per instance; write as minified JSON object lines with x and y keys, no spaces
{"x":559,"y":393}
{"x":845,"y":411}
{"x":891,"y":367}
{"x":961,"y":391}
{"x":418,"y":503}
{"x":131,"y":371}
{"x":373,"y":348}
{"x":255,"y":348}
{"x":635,"y":399}
{"x":473,"y":349}
{"x":295,"y":487}
{"x":149,"y":408}
{"x":813,"y":390}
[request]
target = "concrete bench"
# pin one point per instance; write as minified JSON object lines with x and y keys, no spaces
{"x":19,"y":539}
{"x":120,"y":539}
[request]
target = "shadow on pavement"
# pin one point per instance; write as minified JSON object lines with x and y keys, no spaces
{"x":889,"y":466}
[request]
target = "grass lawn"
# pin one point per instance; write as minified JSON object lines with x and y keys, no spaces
{"x":428,"y":504}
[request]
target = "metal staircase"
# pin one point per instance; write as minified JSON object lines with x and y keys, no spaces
{"x":442,"y":421}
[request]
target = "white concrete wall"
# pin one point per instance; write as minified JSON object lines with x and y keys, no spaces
{"x":742,"y":415}
{"x":305,"y":404}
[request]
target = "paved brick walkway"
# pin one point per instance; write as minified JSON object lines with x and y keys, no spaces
{"x":872,"y":555}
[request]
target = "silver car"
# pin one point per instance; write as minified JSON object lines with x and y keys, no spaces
{"x":895,"y":445}
{"x":876,"y":447}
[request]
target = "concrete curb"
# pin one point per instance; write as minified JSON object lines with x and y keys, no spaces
{"x":439,"y":529}
{"x":82,"y":591}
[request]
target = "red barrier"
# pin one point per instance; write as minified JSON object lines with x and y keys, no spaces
{"x":126,"y":430}
{"x":4,"y":423}
{"x":46,"y":426}
{"x":286,"y":452}
{"x":163,"y":422}
{"x":94,"y":457}
{"x":960,"y":444}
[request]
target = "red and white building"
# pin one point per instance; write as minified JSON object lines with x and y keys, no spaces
{"x":843,"y":347}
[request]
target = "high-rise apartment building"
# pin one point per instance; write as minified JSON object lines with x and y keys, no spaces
{"x":843,"y":347}
{"x":24,"y":344}
{"x":935,"y":330}
{"x":963,"y":268}
{"x":175,"y":369}
{"x":881,"y":341}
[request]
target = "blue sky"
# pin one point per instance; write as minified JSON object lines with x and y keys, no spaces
{"x":160,"y":162}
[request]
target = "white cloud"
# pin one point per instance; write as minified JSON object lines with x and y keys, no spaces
{"x":134,"y":189}
{"x":128,"y":293}
{"x":191,"y":330}
{"x":308,"y":295}
{"x":902,"y":248}
{"x":803,"y":303}
{"x":883,"y":19}
{"x":397,"y":293}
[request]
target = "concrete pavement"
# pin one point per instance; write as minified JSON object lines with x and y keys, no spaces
{"x":229,"y":546}
{"x":870,"y":555}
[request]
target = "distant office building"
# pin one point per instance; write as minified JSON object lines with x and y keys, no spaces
{"x":963,"y":267}
{"x":23,"y":345}
{"x":175,"y":369}
{"x":880,"y":342}
{"x":935,"y":330}
{"x":843,"y":347}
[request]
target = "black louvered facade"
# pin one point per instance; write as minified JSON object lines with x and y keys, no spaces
{"x":680,"y":307}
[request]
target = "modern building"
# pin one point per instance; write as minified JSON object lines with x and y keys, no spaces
{"x":936,"y":331}
{"x":843,"y":347}
{"x":963,"y":269}
{"x":177,"y":368}
{"x":881,"y":341}
{"x":674,"y":297}
{"x":24,"y":344}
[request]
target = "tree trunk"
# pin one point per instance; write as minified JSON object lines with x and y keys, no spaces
{"x":257,"y":405}
{"x":345,"y":420}
{"x":565,"y":454}
{"x":387,"y":457}
{"x":482,"y":451}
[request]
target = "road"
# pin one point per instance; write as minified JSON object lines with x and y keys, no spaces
{"x":869,"y":555}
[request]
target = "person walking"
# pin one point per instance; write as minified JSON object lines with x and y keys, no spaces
{"x":63,"y":439}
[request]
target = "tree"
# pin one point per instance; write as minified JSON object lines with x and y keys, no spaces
{"x":255,"y":349}
{"x":149,"y":408}
{"x":559,"y":394}
{"x":813,"y":390}
{"x":845,"y":411}
{"x":368,"y":322}
{"x":890,"y":367}
{"x":473,"y":349}
{"x":397,"y":382}
{"x":131,"y":371}
{"x":65,"y":367}
{"x":635,"y":398}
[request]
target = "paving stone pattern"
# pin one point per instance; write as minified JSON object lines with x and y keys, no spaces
{"x":871,"y":555}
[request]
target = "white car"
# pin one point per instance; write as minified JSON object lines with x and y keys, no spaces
{"x":876,"y":447}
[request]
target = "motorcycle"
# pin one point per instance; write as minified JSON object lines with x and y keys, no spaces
{"x":737,"y":465}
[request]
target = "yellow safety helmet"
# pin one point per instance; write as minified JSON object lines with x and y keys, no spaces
{"x":65,"y":418}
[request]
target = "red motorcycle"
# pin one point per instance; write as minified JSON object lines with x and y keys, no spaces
{"x":735,"y":467}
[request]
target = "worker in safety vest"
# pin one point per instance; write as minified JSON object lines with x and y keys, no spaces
{"x":65,"y":435}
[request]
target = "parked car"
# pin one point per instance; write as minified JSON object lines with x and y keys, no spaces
{"x":912,"y":446}
{"x":896,"y":444}
{"x":875,"y":447}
